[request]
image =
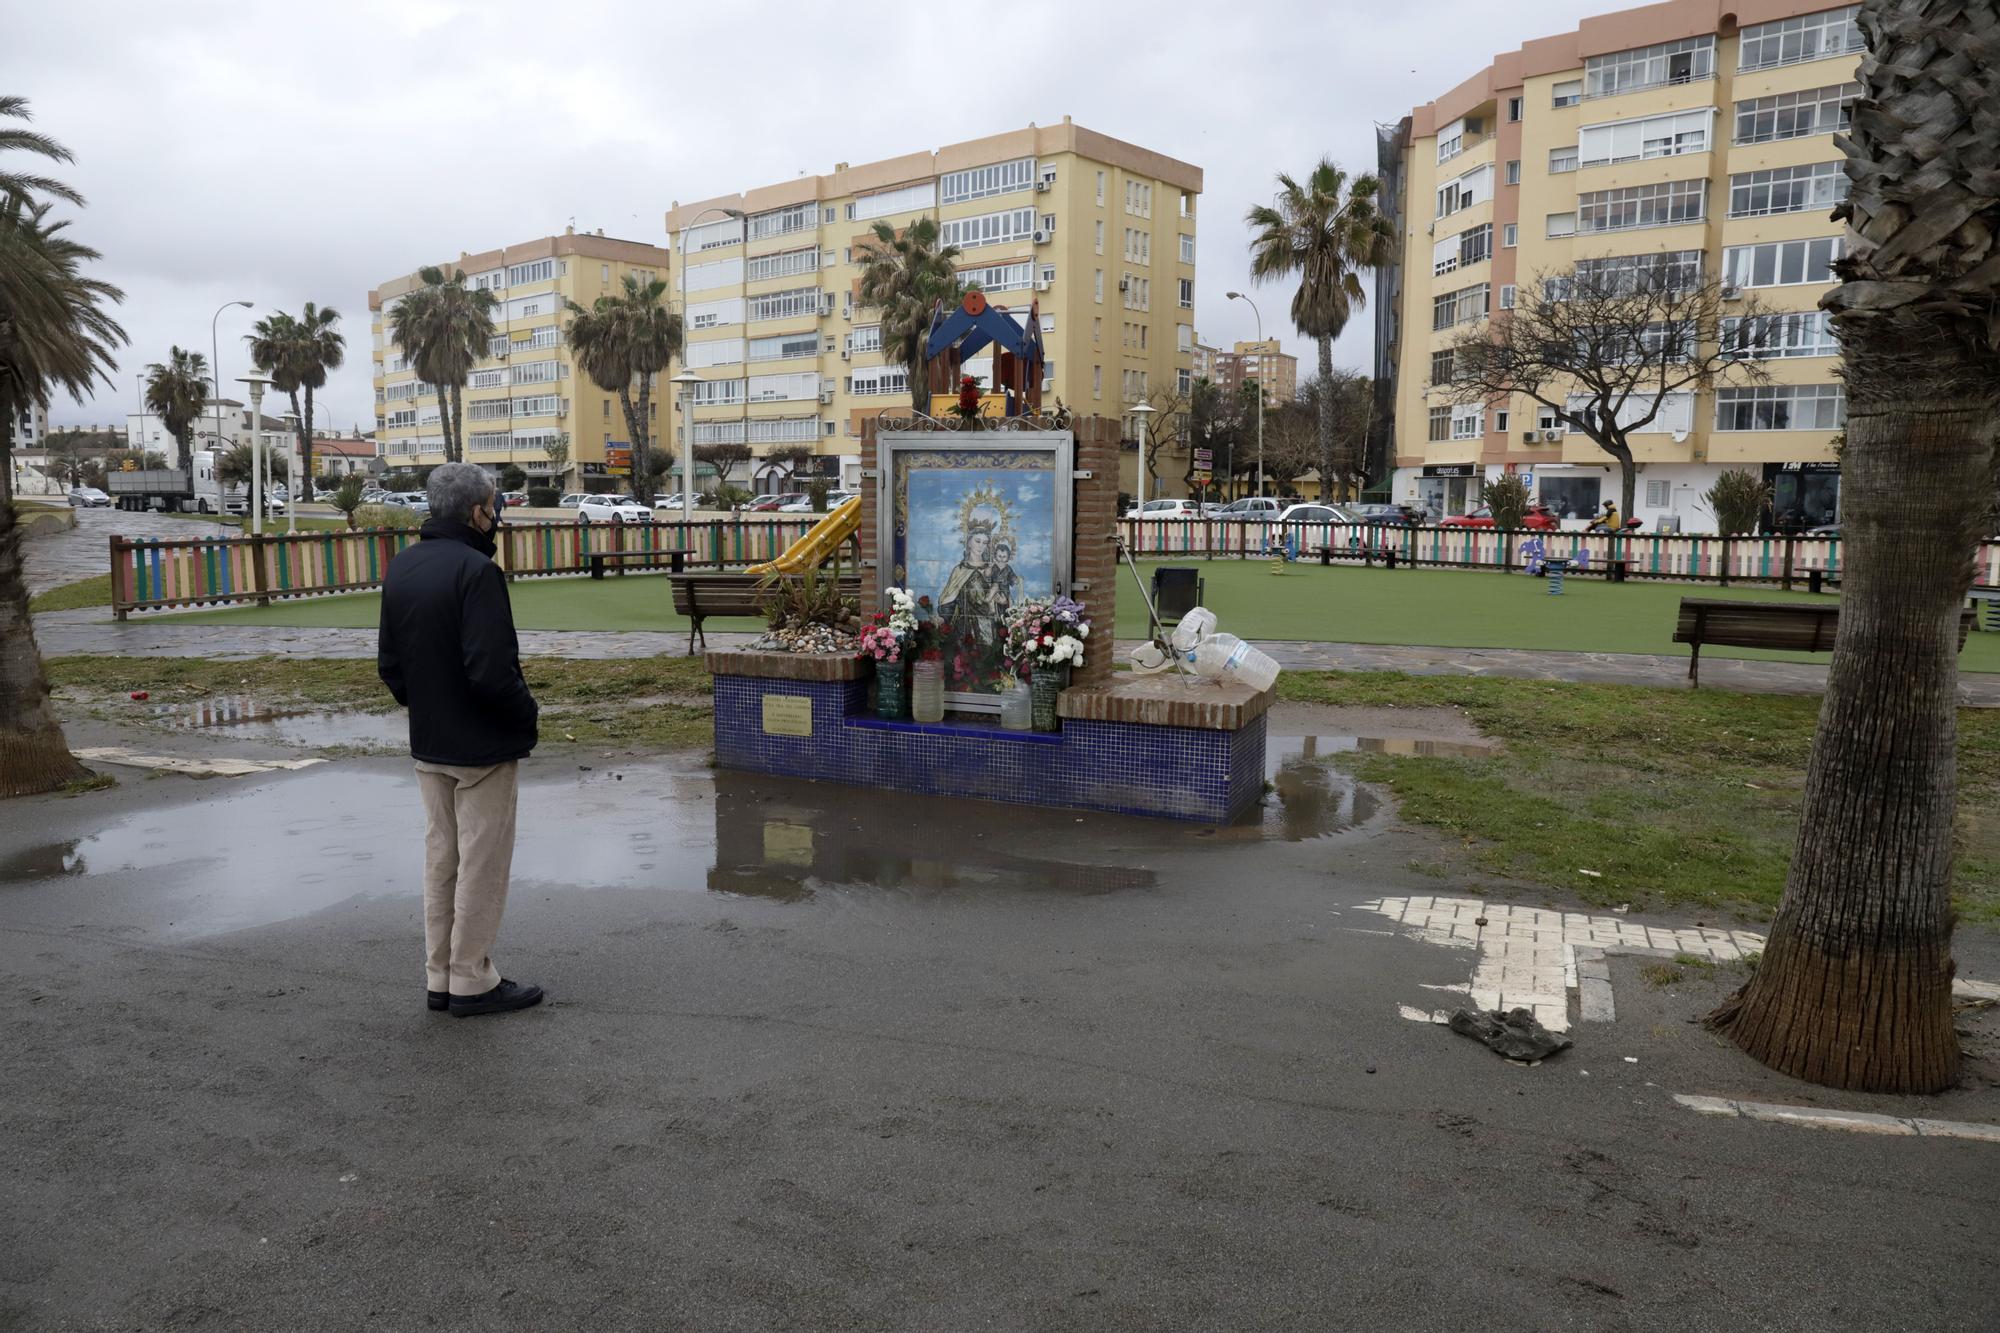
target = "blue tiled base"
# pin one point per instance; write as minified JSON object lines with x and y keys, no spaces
{"x":1170,"y":772}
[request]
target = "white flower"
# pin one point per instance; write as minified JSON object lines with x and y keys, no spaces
{"x":1083,"y":630}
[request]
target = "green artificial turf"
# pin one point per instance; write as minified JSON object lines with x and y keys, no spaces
{"x":1432,"y":607}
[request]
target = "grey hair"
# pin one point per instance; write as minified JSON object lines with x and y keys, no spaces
{"x":456,"y":489}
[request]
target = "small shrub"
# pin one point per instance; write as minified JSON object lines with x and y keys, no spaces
{"x":1507,"y":496}
{"x":346,"y":497}
{"x":1737,"y":498}
{"x":386,"y":516}
{"x":818,"y":492}
{"x":544,"y":497}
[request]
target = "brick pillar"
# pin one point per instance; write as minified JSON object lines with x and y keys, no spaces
{"x":1095,"y":553}
{"x":871,"y":469}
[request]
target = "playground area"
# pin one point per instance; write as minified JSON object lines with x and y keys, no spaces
{"x":1308,"y":603}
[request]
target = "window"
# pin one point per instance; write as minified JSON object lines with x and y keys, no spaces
{"x":792,"y":303}
{"x":1781,"y":407}
{"x":1187,"y":294}
{"x":1545,"y":418}
{"x":983,"y":182}
{"x":1792,"y":41}
{"x":403,"y":417}
{"x":1455,"y":252}
{"x":1675,"y":414}
{"x":865,"y":339}
{"x":1441,"y":363}
{"x":1781,"y":263}
{"x":1562,"y":224}
{"x":1567,"y":93}
{"x":1660,"y":205}
{"x":1674,"y":270}
{"x":538,"y":372}
{"x":715,"y":393}
{"x":784,"y":388}
{"x":1013,"y":224}
{"x":880,"y":380}
{"x":1474,"y":187}
{"x":711,"y":234}
{"x":1138,"y":246}
{"x":1513,"y":110}
{"x":1507,"y":296}
{"x":1500,"y":418}
{"x":1099,"y":243}
{"x":1187,"y":204}
{"x":1184,"y":337}
{"x":1562,"y":160}
{"x":908,"y":199}
{"x":1684,"y":61}
{"x":1451,"y":141}
{"x":714,"y":352}
{"x":1796,"y":115}
{"x":784,"y":221}
{"x":1818,"y":186}
{"x":715,"y":273}
{"x":1097,"y":372}
{"x":1001,"y":277}
{"x":1183,"y":381}
{"x":1459,"y":307}
{"x":1514,"y":172}
{"x":1097,"y":285}
{"x":1440,"y":424}
{"x":1659,"y":494}
{"x":1100,"y":189}
{"x":1139,"y":199}
{"x":1649,"y":136}
{"x":1510,"y":235}
{"x":1769,"y":337}
{"x":548,"y":335}
{"x":607,"y":409}
{"x":712,"y":314}
{"x":1465,"y":419}
{"x":1187,"y":249}
{"x":785,"y":346}
{"x":540,"y":270}
{"x":783,"y":430}
{"x":784,"y":264}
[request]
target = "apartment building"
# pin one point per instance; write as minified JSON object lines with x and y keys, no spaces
{"x":1097,"y":235}
{"x":1262,"y":362}
{"x":1691,"y":137}
{"x":31,"y":427}
{"x":526,"y":392}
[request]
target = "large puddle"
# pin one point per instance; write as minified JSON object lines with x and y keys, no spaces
{"x":242,"y":715}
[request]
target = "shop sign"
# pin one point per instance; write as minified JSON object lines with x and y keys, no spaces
{"x":1451,"y":469}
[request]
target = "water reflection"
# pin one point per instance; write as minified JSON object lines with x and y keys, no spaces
{"x":248,"y":716}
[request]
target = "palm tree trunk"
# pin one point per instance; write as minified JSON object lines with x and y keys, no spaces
{"x":449,"y":419}
{"x":34,"y":755}
{"x":1325,"y":417}
{"x":913,"y":361}
{"x":302,"y":487}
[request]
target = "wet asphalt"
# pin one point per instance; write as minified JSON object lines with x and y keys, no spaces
{"x":826,"y":1058}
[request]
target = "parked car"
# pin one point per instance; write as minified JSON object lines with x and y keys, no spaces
{"x":1385,"y":513}
{"x":1166,"y":509}
{"x":613,"y":509}
{"x":671,"y":502}
{"x":1824,"y":530}
{"x":1251,"y":509}
{"x":513,"y":499}
{"x":1538,"y":516}
{"x":88,"y":497}
{"x":1315,"y":513}
{"x":800,"y":504}
{"x":767,"y":503}
{"x":573,"y":499}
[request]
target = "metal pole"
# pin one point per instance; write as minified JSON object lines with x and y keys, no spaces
{"x":215,"y":375}
{"x":257,"y":459}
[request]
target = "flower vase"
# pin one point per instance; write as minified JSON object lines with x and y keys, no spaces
{"x":892,"y":695}
{"x":1048,"y":683}
{"x":927,"y":691}
{"x":1017,"y":707}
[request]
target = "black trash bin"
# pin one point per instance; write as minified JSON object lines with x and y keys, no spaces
{"x":1176,"y":591}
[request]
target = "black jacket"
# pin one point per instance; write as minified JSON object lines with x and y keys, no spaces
{"x":448,"y":651}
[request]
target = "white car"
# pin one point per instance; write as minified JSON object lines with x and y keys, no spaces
{"x":1166,"y":509}
{"x":573,"y":499}
{"x":1316,"y":513}
{"x":672,"y":502}
{"x":612,"y":509}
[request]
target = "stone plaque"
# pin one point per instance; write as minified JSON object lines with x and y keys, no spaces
{"x":788,"y":715}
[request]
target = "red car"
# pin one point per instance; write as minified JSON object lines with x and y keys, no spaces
{"x":1538,"y":516}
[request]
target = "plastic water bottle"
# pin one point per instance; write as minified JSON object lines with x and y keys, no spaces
{"x":1195,"y":626}
{"x":1226,"y":657}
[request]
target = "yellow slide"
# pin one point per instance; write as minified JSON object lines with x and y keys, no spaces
{"x":818,"y":545}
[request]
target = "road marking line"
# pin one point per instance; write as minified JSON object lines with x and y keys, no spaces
{"x":1859,"y":1122}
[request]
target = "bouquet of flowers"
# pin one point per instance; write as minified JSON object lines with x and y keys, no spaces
{"x":967,"y":409}
{"x":879,"y":642}
{"x":1047,"y":634}
{"x":902,"y":612}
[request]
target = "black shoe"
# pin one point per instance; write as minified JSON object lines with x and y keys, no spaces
{"x":437,"y":999}
{"x":503,"y":998}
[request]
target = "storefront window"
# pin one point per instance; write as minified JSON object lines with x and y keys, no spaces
{"x":1803,"y":499}
{"x":1572,"y":497}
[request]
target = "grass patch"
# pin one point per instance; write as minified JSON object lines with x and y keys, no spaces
{"x":633,"y":602}
{"x":73,"y":596}
{"x":1681,"y":796}
{"x":1658,"y":976}
{"x":95,"y":782}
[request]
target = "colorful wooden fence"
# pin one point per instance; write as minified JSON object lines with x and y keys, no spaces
{"x":201,"y":571}
{"x":1752,"y":559}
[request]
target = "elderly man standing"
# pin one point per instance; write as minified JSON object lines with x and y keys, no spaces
{"x":449,"y":655}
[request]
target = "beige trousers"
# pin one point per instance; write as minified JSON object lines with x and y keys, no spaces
{"x":468,"y":853}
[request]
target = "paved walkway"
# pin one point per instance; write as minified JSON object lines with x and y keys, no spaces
{"x":84,"y":551}
{"x":89,"y":631}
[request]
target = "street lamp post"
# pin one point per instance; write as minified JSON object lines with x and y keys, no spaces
{"x":687,"y":375}
{"x":292,"y":473}
{"x":1144,"y":411}
{"x":256,"y":383}
{"x":1239,"y":296}
{"x":215,"y":367}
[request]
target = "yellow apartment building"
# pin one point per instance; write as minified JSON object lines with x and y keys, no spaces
{"x":527,"y":392}
{"x":1265,"y":362}
{"x":1095,"y":236}
{"x":1696,"y":134}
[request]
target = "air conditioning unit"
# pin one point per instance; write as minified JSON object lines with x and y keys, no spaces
{"x":1530,"y":436}
{"x":1043,"y":237}
{"x":1042,"y":285}
{"x":1124,"y":284}
{"x":1552,"y":437}
{"x":1042,"y":187}
{"x":845,"y":354}
{"x":826,"y":395}
{"x":825,"y":304}
{"x":847,"y":312}
{"x":1731,"y":292}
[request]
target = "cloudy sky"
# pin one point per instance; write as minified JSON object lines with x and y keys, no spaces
{"x":280,"y":153}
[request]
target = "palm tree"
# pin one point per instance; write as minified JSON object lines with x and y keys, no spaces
{"x":444,"y":328}
{"x":297,"y":354}
{"x":626,"y":337}
{"x":1326,"y":230}
{"x":176,"y":390}
{"x":55,"y":335}
{"x":1854,"y":989}
{"x":904,"y":276}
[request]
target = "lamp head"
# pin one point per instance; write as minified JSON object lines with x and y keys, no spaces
{"x":1235,"y":296}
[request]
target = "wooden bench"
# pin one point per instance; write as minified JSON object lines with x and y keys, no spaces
{"x":698,"y":596}
{"x":677,"y":560}
{"x":1794,"y":627}
{"x":1366,"y":554}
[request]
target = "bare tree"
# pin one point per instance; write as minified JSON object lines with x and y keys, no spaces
{"x":1343,"y":401}
{"x":1607,"y":347}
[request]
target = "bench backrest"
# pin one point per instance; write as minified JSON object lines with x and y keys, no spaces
{"x":731,"y":594}
{"x":1782,"y":626}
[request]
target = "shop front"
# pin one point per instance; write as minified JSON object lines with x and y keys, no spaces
{"x":1445,"y":490}
{"x":1804,"y":496}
